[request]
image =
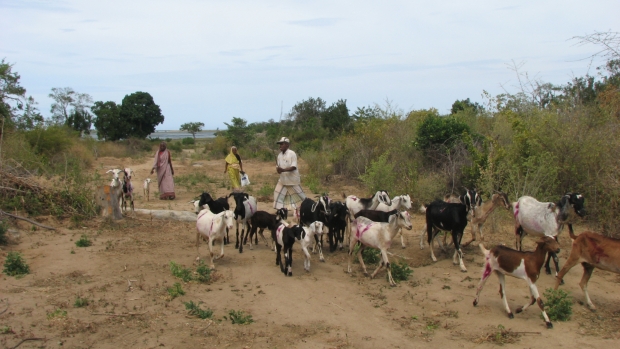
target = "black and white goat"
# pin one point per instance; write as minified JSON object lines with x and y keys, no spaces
{"x":401,"y":203}
{"x":212,"y":226}
{"x":285,"y":237}
{"x":264,"y":220}
{"x":310,"y":212}
{"x":355,"y":204}
{"x":128,"y":189}
{"x":337,"y":224}
{"x":379,"y":236}
{"x":205,"y":201}
{"x":522,"y":265}
{"x":441,"y":215}
{"x":546,"y":219}
{"x":245,"y":207}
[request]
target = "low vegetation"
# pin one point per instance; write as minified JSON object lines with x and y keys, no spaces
{"x":558,"y":305}
{"x":239,"y":317}
{"x":84,"y":241}
{"x":195,"y":310}
{"x":15,"y":265}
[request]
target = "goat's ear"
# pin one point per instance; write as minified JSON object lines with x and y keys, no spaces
{"x":551,"y":206}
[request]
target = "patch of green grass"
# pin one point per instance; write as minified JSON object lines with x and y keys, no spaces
{"x":175,"y":291}
{"x":239,"y":317}
{"x":432,"y":325}
{"x":314,"y":184}
{"x":558,"y":305}
{"x":15,"y":265}
{"x":84,"y":241}
{"x":6,"y":330}
{"x":203,"y":273}
{"x":80,"y":302}
{"x":400,"y":271}
{"x":194,"y":309}
{"x":184,"y":274}
{"x":58,"y":313}
{"x":265,"y":190}
{"x":192,"y":180}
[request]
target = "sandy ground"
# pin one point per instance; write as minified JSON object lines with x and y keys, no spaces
{"x":125,"y":275}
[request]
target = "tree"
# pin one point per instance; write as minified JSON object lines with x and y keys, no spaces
{"x":192,"y":127}
{"x":80,"y":120}
{"x":71,"y":108}
{"x":307,"y":113}
{"x":141,"y":114}
{"x":30,"y":118}
{"x":463,"y":105}
{"x":108,"y":123}
{"x":336,"y":118}
{"x":11,"y":93}
{"x":237,"y":132}
{"x":437,"y":130}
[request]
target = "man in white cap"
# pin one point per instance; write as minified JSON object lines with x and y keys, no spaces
{"x":288,"y":190}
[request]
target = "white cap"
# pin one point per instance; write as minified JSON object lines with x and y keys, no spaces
{"x":283,"y":140}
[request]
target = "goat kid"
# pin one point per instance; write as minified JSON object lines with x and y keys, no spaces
{"x":146,"y":187}
{"x":263,"y":220}
{"x":545,"y":219}
{"x":593,"y":251}
{"x":377,"y":235}
{"x":312,"y":230}
{"x":285,"y":237}
{"x":245,"y":208}
{"x":212,"y":226}
{"x":522,"y":265}
{"x":128,"y":189}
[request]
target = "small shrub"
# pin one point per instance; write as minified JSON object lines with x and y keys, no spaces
{"x":180,"y":272}
{"x":558,"y":305}
{"x":4,"y":228}
{"x":314,"y":184}
{"x":400,"y":271}
{"x":371,"y":255}
{"x":203,"y":273}
{"x":188,"y":141}
{"x":58,"y":313}
{"x":175,"y":146}
{"x":194,"y":309}
{"x":175,"y":291}
{"x":266,"y":190}
{"x":15,"y":265}
{"x":238,"y":317}
{"x":84,"y":241}
{"x":80,"y":302}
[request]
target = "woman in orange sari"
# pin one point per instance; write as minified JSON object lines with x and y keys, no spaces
{"x":163,"y":165}
{"x":234,"y":167}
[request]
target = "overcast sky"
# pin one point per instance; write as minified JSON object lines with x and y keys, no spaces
{"x":210,"y":61}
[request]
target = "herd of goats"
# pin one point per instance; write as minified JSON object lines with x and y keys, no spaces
{"x":374,"y":222}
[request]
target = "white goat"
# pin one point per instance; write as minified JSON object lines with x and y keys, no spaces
{"x":116,"y":184}
{"x":146,"y":188}
{"x":355,"y":204}
{"x":315,"y":228}
{"x":401,"y":203}
{"x":379,"y":236}
{"x":211,"y":227}
{"x":542,"y":219}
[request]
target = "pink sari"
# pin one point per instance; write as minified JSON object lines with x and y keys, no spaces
{"x":164,"y":175}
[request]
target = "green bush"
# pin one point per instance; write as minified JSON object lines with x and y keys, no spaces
{"x":238,"y":317}
{"x":180,"y":272}
{"x":380,"y":175}
{"x":15,"y":265}
{"x":80,"y":302}
{"x":194,"y":309}
{"x":400,"y":271}
{"x":203,"y":273}
{"x":84,"y":241}
{"x":558,"y":305}
{"x":369,"y":255}
{"x":175,"y":291}
{"x":4,"y":228}
{"x":188,"y":141}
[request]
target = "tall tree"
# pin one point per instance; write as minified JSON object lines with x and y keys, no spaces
{"x":192,"y":127}
{"x":307,"y":113}
{"x":238,"y":131}
{"x":141,"y":114}
{"x":80,"y":120}
{"x":11,"y":93}
{"x":336,"y":118}
{"x":71,"y":108}
{"x":108,"y":123}
{"x":463,"y":105}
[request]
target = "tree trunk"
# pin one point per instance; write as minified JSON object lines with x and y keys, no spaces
{"x":107,"y":198}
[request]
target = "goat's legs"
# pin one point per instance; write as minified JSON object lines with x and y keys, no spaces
{"x":320,"y":246}
{"x":502,"y":292}
{"x":473,"y":233}
{"x":456,"y":237}
{"x":402,"y":238}
{"x":422,"y":234}
{"x":536,"y":298}
{"x":361,"y":260}
{"x":350,"y":253}
{"x":587,"y":273}
{"x":556,"y":262}
{"x":485,"y":276}
{"x":288,"y":259}
{"x":304,"y":249}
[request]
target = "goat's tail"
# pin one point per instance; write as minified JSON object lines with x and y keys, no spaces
{"x":484,"y":250}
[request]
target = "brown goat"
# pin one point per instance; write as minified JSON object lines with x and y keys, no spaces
{"x":523,"y":265}
{"x":593,"y":251}
{"x":482,"y":212}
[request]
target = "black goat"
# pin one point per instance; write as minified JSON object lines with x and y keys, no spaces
{"x":441,"y":215}
{"x":337,"y":224}
{"x":311,"y":211}
{"x":264,"y":220}
{"x":285,"y":238}
{"x":245,"y":208}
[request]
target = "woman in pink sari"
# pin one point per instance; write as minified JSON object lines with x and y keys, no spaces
{"x":163,"y":165}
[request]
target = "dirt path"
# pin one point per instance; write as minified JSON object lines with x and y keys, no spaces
{"x":325,"y":308}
